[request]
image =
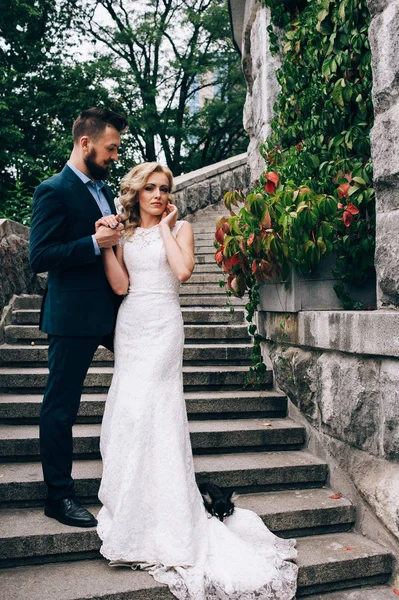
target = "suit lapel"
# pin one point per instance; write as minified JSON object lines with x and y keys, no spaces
{"x":109,"y":197}
{"x":81,"y":190}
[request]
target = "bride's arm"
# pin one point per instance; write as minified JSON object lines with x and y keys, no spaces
{"x":179,"y":250}
{"x":114,"y":266}
{"x":115,"y":270}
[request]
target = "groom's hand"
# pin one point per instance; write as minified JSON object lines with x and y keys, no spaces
{"x":107,"y":237}
{"x":111,"y":221}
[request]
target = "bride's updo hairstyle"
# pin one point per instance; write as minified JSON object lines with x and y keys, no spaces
{"x":134,"y":181}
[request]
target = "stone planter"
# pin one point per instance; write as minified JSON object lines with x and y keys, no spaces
{"x":313,"y":292}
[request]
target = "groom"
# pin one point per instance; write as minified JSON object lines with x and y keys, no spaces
{"x":78,"y":304}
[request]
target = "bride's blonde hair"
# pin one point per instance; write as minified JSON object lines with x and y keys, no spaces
{"x":134,"y":181}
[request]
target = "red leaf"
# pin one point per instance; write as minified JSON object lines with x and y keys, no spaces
{"x":273,"y":177}
{"x":226,"y":228}
{"x":251,"y":239}
{"x":227,"y":264}
{"x":235,"y":259}
{"x":219,"y":256}
{"x":229,"y":280}
{"x":352,"y":209}
{"x":347,"y":218}
{"x":254,"y":267}
{"x":270,"y":188}
{"x":219,"y":235}
{"x":343,"y":190}
{"x":340,"y":205}
{"x":395,"y":591}
{"x":349,"y":548}
{"x":267,"y":222}
{"x":336,"y":496}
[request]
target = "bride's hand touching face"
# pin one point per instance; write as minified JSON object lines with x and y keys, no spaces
{"x":169,"y":217}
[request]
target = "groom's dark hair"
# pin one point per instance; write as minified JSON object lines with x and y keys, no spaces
{"x":93,"y":121}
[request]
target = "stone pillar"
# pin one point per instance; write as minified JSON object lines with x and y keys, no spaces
{"x":384,"y":40}
{"x":259,"y":69}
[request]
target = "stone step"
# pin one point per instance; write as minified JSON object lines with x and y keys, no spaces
{"x":26,"y":334}
{"x":204,"y":278}
{"x":21,"y":442}
{"x":202,"y":236}
{"x":25,"y":355}
{"x":98,"y":379}
{"x":208,"y":268}
{"x":22,"y":484}
{"x":190,"y":315}
{"x":28,"y":536}
{"x":204,"y":229}
{"x":205,"y":258}
{"x":27,"y":302}
{"x":323,"y":564}
{"x":219,"y":300}
{"x":25,"y":408}
{"x":204,"y":250}
{"x":210,"y":289}
{"x":383,"y":592}
{"x":223,"y":315}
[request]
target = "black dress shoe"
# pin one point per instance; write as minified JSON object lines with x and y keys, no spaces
{"x":70,"y":512}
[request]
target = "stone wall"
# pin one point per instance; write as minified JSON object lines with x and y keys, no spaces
{"x":340,"y":371}
{"x":259,"y":67}
{"x":16,"y":275}
{"x":206,"y":186}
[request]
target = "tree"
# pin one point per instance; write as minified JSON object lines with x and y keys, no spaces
{"x":150,"y":60}
{"x":42,"y":90}
{"x":161,"y":51}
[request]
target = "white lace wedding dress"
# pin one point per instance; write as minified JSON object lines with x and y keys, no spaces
{"x":153,"y":515}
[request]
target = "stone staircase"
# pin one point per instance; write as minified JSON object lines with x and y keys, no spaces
{"x":242,"y":439}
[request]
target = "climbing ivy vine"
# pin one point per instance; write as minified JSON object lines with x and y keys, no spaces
{"x":315,"y":196}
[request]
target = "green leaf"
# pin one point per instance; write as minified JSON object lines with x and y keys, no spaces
{"x":359,"y":180}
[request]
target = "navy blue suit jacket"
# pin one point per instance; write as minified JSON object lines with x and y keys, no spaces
{"x":78,"y":300}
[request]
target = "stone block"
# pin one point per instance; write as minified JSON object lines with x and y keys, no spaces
{"x":387,"y":258}
{"x":216,"y":191}
{"x":384,"y":41}
{"x":181,"y":202}
{"x":377,"y":6}
{"x":375,"y":479}
{"x":389,"y":389}
{"x":349,"y":400}
{"x":387,"y":193}
{"x":226,"y":182}
{"x":385,"y":143}
{"x":239,"y":178}
{"x":295,"y":371}
{"x":17,"y":276}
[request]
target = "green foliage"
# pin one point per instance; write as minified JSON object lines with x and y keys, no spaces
{"x":315,"y":196}
{"x":138,"y":67}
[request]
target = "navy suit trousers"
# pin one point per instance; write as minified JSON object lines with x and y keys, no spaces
{"x":69,"y":359}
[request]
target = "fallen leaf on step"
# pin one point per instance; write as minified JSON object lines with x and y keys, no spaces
{"x":336,"y":496}
{"x":266,"y":424}
{"x":395,"y":591}
{"x":349,"y":548}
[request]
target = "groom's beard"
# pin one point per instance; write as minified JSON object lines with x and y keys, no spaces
{"x":94,"y":169}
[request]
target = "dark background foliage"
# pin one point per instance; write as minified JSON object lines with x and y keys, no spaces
{"x":149,"y":64}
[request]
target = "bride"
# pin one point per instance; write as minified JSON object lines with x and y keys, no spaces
{"x":153,"y":515}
